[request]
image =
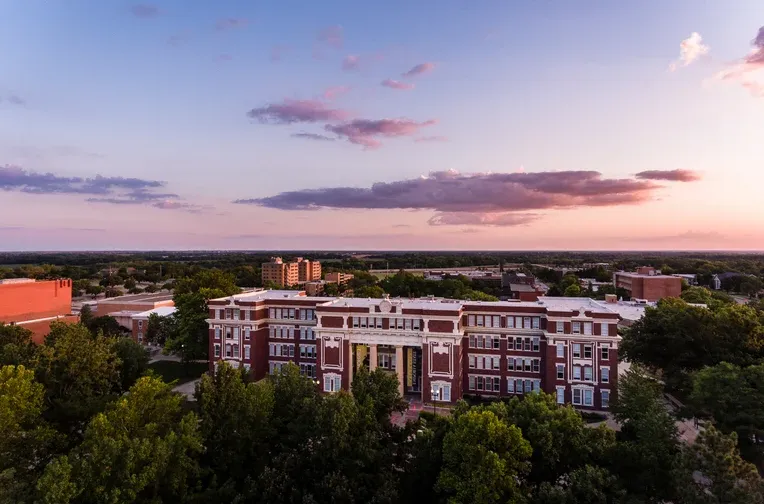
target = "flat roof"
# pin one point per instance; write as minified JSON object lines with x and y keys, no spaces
{"x":521,"y":287}
{"x":642,"y":275}
{"x":162,"y":311}
{"x":137,"y":298}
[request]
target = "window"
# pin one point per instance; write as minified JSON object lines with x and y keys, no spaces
{"x":472,"y":383}
{"x":588,"y":373}
{"x":605,"y":399}
{"x":236,"y":351}
{"x":246,"y":314}
{"x":217,"y":333}
{"x":272,"y":313}
{"x":140,"y":337}
{"x":472,"y":361}
{"x":228,"y":352}
{"x":605,"y":329}
{"x":528,"y":386}
{"x":536,"y":365}
{"x":576,"y":328}
{"x":536,"y":322}
{"x":303,"y":314}
{"x":140,"y":324}
{"x":518,"y":343}
{"x":560,"y":371}
{"x":217,"y":350}
{"x":355,"y":321}
{"x":291,"y":313}
{"x":497,"y":320}
{"x":488,"y":321}
{"x":588,"y":328}
{"x":527,"y":344}
{"x":577,"y":396}
{"x":510,"y":385}
{"x":560,"y":395}
{"x":510,"y":364}
{"x":587,"y":351}
{"x":308,"y":370}
{"x":536,"y":343}
{"x":246,"y":333}
{"x":528,"y":364}
{"x":332,"y":382}
{"x":308,"y":351}
{"x":235,"y":333}
{"x":588,"y":397}
{"x":576,"y":372}
{"x":271,"y":332}
{"x":526,"y":322}
{"x":441,"y":392}
{"x":605,"y":375}
{"x":247,"y":367}
{"x":246,"y":351}
{"x":560,"y":349}
{"x":471,"y":321}
{"x":496,"y":362}
{"x":399,"y":323}
{"x":605,"y":353}
{"x":414,"y":324}
{"x":576,"y":350}
{"x":407,"y":324}
{"x":227,"y":333}
{"x":536,"y":385}
{"x":511,"y":322}
{"x":496,"y":342}
{"x":560,"y":327}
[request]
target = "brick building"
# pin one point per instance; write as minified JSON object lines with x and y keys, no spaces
{"x":36,"y":304}
{"x":439,"y":349}
{"x":338,"y":277}
{"x":140,"y":321}
{"x":286,"y":274}
{"x":648,"y":284}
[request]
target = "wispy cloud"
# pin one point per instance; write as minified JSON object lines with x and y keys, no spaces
{"x":332,"y":36}
{"x":231,"y":24}
{"x":494,"y":199}
{"x":333,"y":92}
{"x":394,"y":84}
{"x":436,"y":138}
{"x":690,"y":49}
{"x":419,"y":69}
{"x":296,"y":111}
{"x":144,"y":11}
{"x":366,"y":132}
{"x":99,"y":189}
{"x":669,"y":175}
{"x":748,"y":70}
{"x":313,"y":136}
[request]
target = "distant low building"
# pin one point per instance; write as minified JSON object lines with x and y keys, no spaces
{"x":140,"y":321}
{"x":34,"y":305}
{"x":315,"y":288}
{"x":519,"y":286}
{"x":338,"y":277}
{"x":648,"y":283}
{"x":690,"y":278}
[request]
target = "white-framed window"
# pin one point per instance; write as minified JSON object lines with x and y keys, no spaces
{"x":576,"y":372}
{"x":236,"y":351}
{"x":441,"y":391}
{"x":526,"y":322}
{"x":308,"y":351}
{"x":291,"y":313}
{"x":308,"y":370}
{"x":588,"y":373}
{"x":605,"y":353}
{"x":497,"y":320}
{"x":527,"y":344}
{"x":247,"y":315}
{"x":228,"y":351}
{"x":510,"y":385}
{"x":536,"y":344}
{"x":247,"y":367}
{"x":217,"y":350}
{"x":577,"y":396}
{"x":587,"y":351}
{"x":576,"y":328}
{"x":536,"y":322}
{"x":471,"y":321}
{"x":272,"y":313}
{"x":560,"y":395}
{"x":605,"y":398}
{"x":415,"y":324}
{"x":356,"y":321}
{"x":560,"y":327}
{"x":560,"y":349}
{"x":536,"y":365}
{"x":518,"y":343}
{"x":588,"y":397}
{"x":511,"y":322}
{"x":140,"y":337}
{"x":246,"y":351}
{"x":332,"y":382}
{"x":236,"y":333}
{"x":510,"y":364}
{"x":576,"y":350}
{"x":528,"y":386}
{"x":560,"y":371}
{"x":303,"y":314}
{"x":140,"y":324}
{"x":217,"y":333}
{"x":605,"y":374}
{"x":605,"y":329}
{"x":588,"y":328}
{"x":247,"y":333}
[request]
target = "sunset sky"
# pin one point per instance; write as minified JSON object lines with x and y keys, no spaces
{"x":502,"y":125}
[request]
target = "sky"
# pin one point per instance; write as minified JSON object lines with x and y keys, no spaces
{"x":398,"y":125}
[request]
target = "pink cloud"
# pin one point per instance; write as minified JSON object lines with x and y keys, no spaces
{"x":332,"y":36}
{"x":497,"y":199}
{"x":331,"y":93}
{"x":435,"y":138}
{"x":351,"y":62}
{"x":231,"y":24}
{"x":364,"y":131}
{"x":297,"y":111}
{"x":745,"y":71}
{"x":690,"y":49}
{"x":669,"y":175}
{"x":394,"y":84}
{"x":419,"y":69}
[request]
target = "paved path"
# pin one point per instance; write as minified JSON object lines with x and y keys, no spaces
{"x":187,"y":389}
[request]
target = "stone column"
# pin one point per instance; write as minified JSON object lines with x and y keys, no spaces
{"x":350,"y":366}
{"x":372,"y":357}
{"x":399,"y":368}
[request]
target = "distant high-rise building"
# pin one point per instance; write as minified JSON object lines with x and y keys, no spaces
{"x":285,"y":274}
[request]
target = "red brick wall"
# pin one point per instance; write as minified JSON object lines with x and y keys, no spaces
{"x":41,"y":329}
{"x":34,"y":300}
{"x":441,"y":326}
{"x":334,"y":322}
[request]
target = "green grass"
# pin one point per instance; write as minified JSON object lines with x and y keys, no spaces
{"x":170,"y":371}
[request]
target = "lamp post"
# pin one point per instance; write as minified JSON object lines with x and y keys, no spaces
{"x":434,"y":393}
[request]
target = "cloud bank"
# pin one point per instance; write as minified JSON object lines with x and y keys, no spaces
{"x":394,"y":84}
{"x":296,"y":111}
{"x":366,"y":132}
{"x":747,"y":72}
{"x":419,"y":69}
{"x":493,"y":199}
{"x":670,"y":175}
{"x":690,"y":49}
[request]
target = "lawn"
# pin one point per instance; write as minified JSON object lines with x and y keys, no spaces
{"x":170,"y":371}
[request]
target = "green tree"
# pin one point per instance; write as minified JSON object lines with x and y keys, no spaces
{"x":16,"y":346}
{"x":733,"y":397}
{"x":80,"y":373}
{"x":159,"y":329}
{"x":142,"y":449}
{"x":133,"y":361}
{"x":572,"y":291}
{"x":190,"y":337}
{"x":586,"y":485}
{"x":560,"y":440}
{"x":697,"y":295}
{"x":378,"y":391}
{"x":484,"y":460}
{"x":368,"y":291}
{"x":105,"y":325}
{"x":26,"y":441}
{"x":235,"y":423}
{"x":210,"y":283}
{"x":331,"y":289}
{"x":86,"y":315}
{"x":711,"y":471}
{"x":93,"y":290}
{"x":750,"y":286}
{"x":130,"y":284}
{"x":647,"y":445}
